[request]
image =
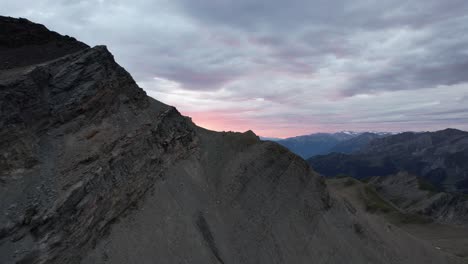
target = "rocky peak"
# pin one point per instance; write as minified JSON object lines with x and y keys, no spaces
{"x":88,"y":84}
{"x":23,"y":43}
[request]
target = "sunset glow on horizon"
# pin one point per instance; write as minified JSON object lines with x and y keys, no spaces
{"x":285,"y":68}
{"x":219,"y":122}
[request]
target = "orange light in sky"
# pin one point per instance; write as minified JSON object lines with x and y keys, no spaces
{"x":230,"y":122}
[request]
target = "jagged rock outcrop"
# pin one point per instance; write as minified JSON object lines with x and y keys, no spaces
{"x":94,"y":171}
{"x":80,"y":144}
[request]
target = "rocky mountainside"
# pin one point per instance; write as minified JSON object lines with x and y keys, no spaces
{"x":411,"y":205}
{"x":439,"y":157}
{"x":94,"y":171}
{"x":414,"y":195}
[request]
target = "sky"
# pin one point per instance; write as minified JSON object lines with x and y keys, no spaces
{"x":283,"y":68}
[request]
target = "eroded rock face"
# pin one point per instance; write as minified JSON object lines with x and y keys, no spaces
{"x":92,"y":170}
{"x":80,"y":144}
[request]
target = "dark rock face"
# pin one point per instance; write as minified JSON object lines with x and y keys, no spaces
{"x":439,"y":157}
{"x":81,"y":143}
{"x":94,"y":171}
{"x":23,"y":43}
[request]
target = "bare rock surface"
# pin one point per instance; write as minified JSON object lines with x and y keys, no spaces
{"x":94,"y":171}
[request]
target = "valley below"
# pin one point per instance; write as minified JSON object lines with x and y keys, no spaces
{"x":362,"y":198}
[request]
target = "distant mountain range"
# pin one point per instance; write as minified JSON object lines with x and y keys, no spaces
{"x":270,"y":138}
{"x":439,"y":157}
{"x":323,"y":143}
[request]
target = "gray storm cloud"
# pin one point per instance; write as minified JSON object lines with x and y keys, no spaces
{"x":284,"y":67}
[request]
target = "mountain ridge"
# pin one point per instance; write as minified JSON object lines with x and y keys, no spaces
{"x":93,"y":170}
{"x":439,"y":157}
{"x":314,"y":144}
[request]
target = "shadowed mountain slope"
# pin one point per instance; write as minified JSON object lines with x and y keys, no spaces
{"x":414,"y":195}
{"x":436,"y":218}
{"x":439,"y":157}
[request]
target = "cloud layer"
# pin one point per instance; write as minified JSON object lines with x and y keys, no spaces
{"x":284,"y":68}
